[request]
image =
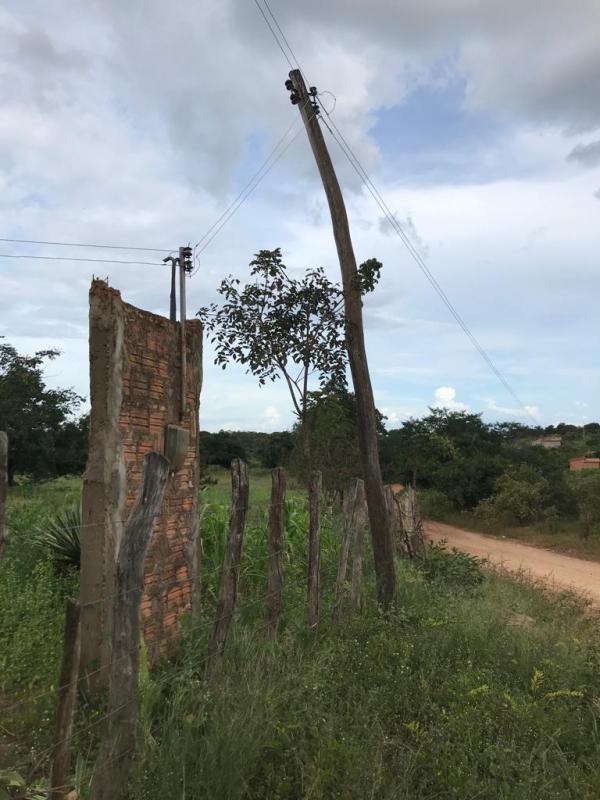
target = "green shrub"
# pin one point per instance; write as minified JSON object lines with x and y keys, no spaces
{"x":586,"y":485}
{"x":434,"y":504}
{"x":452,"y":568}
{"x":520,"y":496}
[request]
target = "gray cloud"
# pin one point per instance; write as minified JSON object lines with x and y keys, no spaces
{"x":409,"y":228}
{"x":137,"y":122}
{"x":202,"y":80}
{"x":588,"y":155}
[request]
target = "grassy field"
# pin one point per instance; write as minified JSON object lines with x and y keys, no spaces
{"x":260,"y":487}
{"x":473,"y":686}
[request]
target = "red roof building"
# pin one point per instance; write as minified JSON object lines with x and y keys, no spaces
{"x":584,"y":462}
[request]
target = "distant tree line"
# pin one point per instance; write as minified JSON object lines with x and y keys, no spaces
{"x":456,"y":459}
{"x":46,"y":437}
{"x":496,"y":470}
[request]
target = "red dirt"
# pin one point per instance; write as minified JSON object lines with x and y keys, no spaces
{"x":558,"y":571}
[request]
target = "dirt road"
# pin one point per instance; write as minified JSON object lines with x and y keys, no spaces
{"x":563,"y":572}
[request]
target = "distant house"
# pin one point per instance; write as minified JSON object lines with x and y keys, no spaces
{"x":584,"y":462}
{"x":550,"y":442}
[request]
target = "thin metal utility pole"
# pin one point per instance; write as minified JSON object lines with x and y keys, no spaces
{"x":383,"y":551}
{"x":182,"y":268}
{"x":173,"y":299}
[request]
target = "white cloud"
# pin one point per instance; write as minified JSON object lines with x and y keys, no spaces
{"x":445,"y":397}
{"x":271,"y":417}
{"x":392,"y":417}
{"x":527,"y":411}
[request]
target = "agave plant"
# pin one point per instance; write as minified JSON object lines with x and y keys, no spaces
{"x":13,"y":787}
{"x":60,"y":536}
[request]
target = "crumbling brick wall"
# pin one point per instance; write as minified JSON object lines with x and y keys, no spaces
{"x":135,"y":386}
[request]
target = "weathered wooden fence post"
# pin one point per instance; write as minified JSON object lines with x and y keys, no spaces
{"x":360,"y":519}
{"x":231,"y":561}
{"x":314,"y":549}
{"x":3,"y":488}
{"x":67,"y":692}
{"x":349,"y":510}
{"x":412,"y":524}
{"x":117,"y":748}
{"x":275,"y":560}
{"x":401,"y":543}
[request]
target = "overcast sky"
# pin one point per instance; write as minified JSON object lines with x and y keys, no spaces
{"x":137,"y":123}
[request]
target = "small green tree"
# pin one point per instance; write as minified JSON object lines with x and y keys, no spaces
{"x":287,"y":328}
{"x":520,"y":496}
{"x":586,"y":486}
{"x":33,"y":416}
{"x":419,"y":448}
{"x":331,"y":427}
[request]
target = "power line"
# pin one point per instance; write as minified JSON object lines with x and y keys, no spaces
{"x":252,"y":184}
{"x":364,"y":176}
{"x":418,"y":258}
{"x":68,"y":258}
{"x":264,"y":16}
{"x":249,"y":183}
{"x":87,"y":244}
{"x":249,"y":191}
{"x":283,"y":36}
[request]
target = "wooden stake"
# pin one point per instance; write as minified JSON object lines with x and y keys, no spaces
{"x":412,"y":524}
{"x":314,"y":549}
{"x":275,"y":560}
{"x":348,"y":514}
{"x":401,"y":544}
{"x":231,"y":562}
{"x":67,"y":692}
{"x":360,"y":519}
{"x":3,"y":488}
{"x":117,"y":749}
{"x":367,"y":424}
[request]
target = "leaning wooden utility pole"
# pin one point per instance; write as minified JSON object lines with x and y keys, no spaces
{"x":367,"y":428}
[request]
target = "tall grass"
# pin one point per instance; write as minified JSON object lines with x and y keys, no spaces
{"x":471,"y":687}
{"x":32,"y":595}
{"x":448,"y":696}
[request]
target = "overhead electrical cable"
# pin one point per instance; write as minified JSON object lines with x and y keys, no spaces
{"x":419,"y":260}
{"x":87,"y":244}
{"x":396,"y":227}
{"x":264,"y":16}
{"x":274,"y":156}
{"x":68,"y":258}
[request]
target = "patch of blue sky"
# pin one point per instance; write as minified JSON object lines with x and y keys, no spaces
{"x":432,"y":137}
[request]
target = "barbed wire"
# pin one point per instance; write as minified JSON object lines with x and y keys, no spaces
{"x":190,"y":629}
{"x":168,"y":678}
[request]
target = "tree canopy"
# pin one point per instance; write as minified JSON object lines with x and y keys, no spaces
{"x":331,"y":428}
{"x":282,"y":327}
{"x":44,"y":439}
